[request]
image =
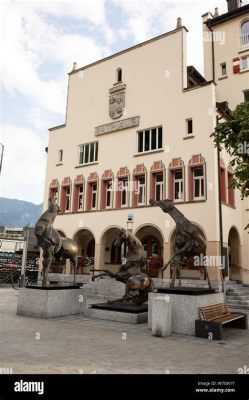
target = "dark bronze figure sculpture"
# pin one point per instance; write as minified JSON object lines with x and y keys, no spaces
{"x":52,"y":244}
{"x":189,"y":241}
{"x":138,"y":285}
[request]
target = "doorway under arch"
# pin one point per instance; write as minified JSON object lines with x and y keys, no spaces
{"x":234,"y":256}
{"x":152,"y":249}
{"x":110,"y":255}
{"x":86,"y":253}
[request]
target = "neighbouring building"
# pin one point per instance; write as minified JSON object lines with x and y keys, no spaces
{"x":138,"y":126}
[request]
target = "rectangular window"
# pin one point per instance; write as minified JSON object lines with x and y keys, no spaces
{"x":245,"y":62}
{"x":60,"y":158}
{"x":178,"y":186}
{"x":223,"y":69}
{"x":159,"y":187}
{"x":150,"y":139}
{"x":94,"y":195}
{"x":246,"y":95}
{"x":67,"y":203}
{"x":55,"y":195}
{"x":189,"y":123}
{"x":141,"y":190}
{"x":198,"y":183}
{"x":124,"y":193}
{"x":88,"y":153}
{"x":108,"y":194}
{"x":80,"y":198}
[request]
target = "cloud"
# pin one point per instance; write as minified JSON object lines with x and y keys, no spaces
{"x":148,"y":18}
{"x":24,"y":164}
{"x":31,"y":44}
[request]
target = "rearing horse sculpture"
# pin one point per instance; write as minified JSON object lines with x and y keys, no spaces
{"x":138,"y":285}
{"x":52,"y":244}
{"x":189,"y":241}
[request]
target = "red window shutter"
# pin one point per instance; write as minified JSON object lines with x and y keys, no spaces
{"x":89,"y":197}
{"x":63,"y":199}
{"x":135,"y":191}
{"x":103,"y":195}
{"x":222,"y":185}
{"x":231,"y":200}
{"x":236,"y":65}
{"x":118,"y":200}
{"x":191,"y":184}
{"x":75,"y":198}
{"x":171,"y":185}
{"x":153,"y":187}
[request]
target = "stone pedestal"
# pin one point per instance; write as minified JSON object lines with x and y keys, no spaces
{"x":161,"y":316}
{"x":50,"y":302}
{"x":120,"y":312}
{"x":184,"y":309}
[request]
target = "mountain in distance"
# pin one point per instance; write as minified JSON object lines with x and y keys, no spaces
{"x":18,"y":213}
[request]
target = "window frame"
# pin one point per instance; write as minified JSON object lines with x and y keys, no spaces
{"x":246,"y":35}
{"x":67,"y":199}
{"x":181,"y":183}
{"x":142,"y":133}
{"x":224,"y":64}
{"x":82,"y":150}
{"x":199,"y":178}
{"x":80,"y":194}
{"x":241,"y":63}
{"x":188,"y":120}
{"x":143,"y":187}
{"x":108,"y":190}
{"x":124,"y":188}
{"x":60,"y":156}
{"x":159,"y":184}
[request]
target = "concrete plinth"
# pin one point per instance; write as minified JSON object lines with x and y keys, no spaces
{"x":185,"y":309}
{"x":161,"y":316}
{"x":50,"y":303}
{"x":129,"y":313}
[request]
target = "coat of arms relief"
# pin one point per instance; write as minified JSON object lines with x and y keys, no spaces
{"x":116,"y":101}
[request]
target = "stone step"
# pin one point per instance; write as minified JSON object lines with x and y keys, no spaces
{"x":239,"y":307}
{"x":234,"y":297}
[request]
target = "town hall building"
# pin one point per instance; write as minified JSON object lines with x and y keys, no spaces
{"x":138,"y":126}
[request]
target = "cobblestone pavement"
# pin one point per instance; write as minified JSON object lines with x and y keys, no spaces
{"x":75,"y":344}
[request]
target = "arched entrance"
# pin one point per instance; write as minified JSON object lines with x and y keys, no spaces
{"x":189,"y":270}
{"x":86,"y":244}
{"x":152,"y":250}
{"x":234,"y":255}
{"x":110,"y":255}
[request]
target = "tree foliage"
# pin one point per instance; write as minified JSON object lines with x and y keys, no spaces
{"x":233,"y":136}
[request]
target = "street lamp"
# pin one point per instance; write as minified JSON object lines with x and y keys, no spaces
{"x":1,"y":156}
{"x":24,"y":254}
{"x":130,"y":222}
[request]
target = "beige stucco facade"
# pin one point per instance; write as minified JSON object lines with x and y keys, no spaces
{"x":156,"y":92}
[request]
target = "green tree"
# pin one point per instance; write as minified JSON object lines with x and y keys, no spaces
{"x":233,"y":136}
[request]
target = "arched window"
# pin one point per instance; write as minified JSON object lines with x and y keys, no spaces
{"x":119,"y":75}
{"x":245,"y":33}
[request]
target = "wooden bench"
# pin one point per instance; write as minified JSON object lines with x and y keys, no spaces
{"x":214,"y":317}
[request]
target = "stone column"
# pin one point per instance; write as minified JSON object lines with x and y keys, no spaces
{"x":161,"y":316}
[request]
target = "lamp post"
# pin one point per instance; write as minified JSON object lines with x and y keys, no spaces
{"x":24,"y":254}
{"x":130,"y":222}
{"x":1,"y":156}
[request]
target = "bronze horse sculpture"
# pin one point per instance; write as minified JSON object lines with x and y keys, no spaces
{"x":189,"y":241}
{"x":138,"y":285}
{"x":52,"y":244}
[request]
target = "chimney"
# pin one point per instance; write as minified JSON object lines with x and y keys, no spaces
{"x":216,"y":12}
{"x":74,"y":66}
{"x":233,"y":5}
{"x":179,"y":23}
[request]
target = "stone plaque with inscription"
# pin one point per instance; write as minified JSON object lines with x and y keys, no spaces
{"x":117,"y":126}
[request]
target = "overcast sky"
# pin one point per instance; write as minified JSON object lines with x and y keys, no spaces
{"x":39,"y":43}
